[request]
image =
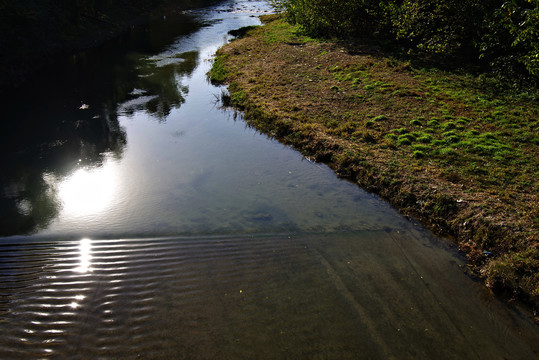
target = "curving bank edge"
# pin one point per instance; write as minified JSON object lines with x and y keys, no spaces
{"x":411,"y":136}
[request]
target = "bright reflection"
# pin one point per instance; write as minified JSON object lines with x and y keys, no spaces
{"x":88,"y":191}
{"x":85,"y":256}
{"x":75,"y":304}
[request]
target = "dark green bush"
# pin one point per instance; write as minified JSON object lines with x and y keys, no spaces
{"x":502,"y":35}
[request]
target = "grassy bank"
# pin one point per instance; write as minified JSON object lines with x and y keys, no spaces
{"x":459,"y":152}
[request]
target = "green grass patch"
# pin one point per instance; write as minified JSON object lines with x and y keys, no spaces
{"x":405,"y":139}
{"x":218,"y":72}
{"x":449,"y":125}
{"x":421,"y":147}
{"x":282,"y":32}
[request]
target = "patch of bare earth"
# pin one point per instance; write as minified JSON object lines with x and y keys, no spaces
{"x":339,"y":104}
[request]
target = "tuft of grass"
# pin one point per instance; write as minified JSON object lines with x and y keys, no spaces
{"x":284,"y":33}
{"x":218,"y":72}
{"x":425,"y":139}
{"x":401,"y":130}
{"x":238,"y":98}
{"x":452,"y":139}
{"x":408,"y":136}
{"x":369,"y":124}
{"x":416,"y":122}
{"x":418,"y":154}
{"x":449,"y":125}
{"x":421,"y":147}
{"x":404,"y":141}
{"x":515,"y":270}
{"x":447,"y":152}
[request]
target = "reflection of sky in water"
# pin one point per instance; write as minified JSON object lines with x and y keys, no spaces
{"x":88,"y":197}
{"x":87,"y":191}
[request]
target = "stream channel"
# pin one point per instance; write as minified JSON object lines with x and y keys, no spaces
{"x":142,"y":219}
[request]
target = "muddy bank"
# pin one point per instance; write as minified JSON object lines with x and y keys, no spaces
{"x":440,"y":147}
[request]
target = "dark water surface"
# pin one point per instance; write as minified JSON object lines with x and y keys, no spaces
{"x":140,"y":219}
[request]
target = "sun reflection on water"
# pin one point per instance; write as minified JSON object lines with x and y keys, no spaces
{"x":85,"y":256}
{"x":83,"y":266}
{"x":88,"y":191}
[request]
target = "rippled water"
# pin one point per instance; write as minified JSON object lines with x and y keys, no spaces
{"x":368,"y":295}
{"x":140,"y":219}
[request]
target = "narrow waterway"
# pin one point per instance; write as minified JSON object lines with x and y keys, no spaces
{"x":141,"y":219}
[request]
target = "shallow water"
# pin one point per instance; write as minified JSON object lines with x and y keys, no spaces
{"x":140,"y":218}
{"x":354,"y":295}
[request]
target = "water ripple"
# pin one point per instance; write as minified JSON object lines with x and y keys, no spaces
{"x":238,"y":297}
{"x":59,"y":298}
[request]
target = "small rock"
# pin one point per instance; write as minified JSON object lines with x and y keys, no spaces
{"x":261,"y":217}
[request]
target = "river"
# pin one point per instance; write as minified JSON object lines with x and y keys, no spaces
{"x":142,"y":219}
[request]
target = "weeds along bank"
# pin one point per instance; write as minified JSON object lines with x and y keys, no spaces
{"x":454,"y":150}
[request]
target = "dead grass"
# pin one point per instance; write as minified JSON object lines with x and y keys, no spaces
{"x":441,"y":147}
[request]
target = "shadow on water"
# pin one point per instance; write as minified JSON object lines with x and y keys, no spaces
{"x":66,"y":117}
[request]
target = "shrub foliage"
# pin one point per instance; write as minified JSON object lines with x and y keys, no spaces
{"x":500,"y":34}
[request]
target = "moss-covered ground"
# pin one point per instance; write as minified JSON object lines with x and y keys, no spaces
{"x":458,"y":151}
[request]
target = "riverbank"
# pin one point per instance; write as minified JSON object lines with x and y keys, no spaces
{"x":34,"y":34}
{"x":454,"y":151}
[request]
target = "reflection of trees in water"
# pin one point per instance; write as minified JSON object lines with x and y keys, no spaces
{"x":46,"y":136}
{"x":159,"y":88}
{"x":49,"y":140}
{"x":27,"y":201}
